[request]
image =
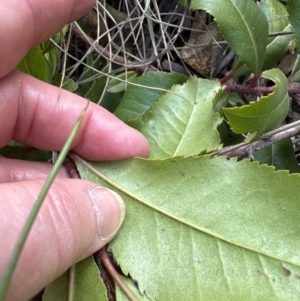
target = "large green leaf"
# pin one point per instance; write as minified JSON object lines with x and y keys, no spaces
{"x":293,"y":8}
{"x":81,"y":283}
{"x":243,"y":25}
{"x":267,"y":113}
{"x":148,"y":88}
{"x":206,"y":229}
{"x":183,"y":122}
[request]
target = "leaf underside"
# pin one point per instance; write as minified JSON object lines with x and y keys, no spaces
{"x":206,"y":227}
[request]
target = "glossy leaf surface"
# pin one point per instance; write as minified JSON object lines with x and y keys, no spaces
{"x":281,"y":155}
{"x":243,"y":25}
{"x":265,"y":114}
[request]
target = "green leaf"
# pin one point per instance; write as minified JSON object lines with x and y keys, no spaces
{"x":138,"y":99}
{"x":120,"y":82}
{"x":243,"y":25}
{"x":68,"y":83}
{"x":215,"y":228}
{"x":23,"y":152}
{"x":295,"y":75}
{"x":92,"y":84}
{"x":293,"y":8}
{"x":281,"y":155}
{"x":35,"y":64}
{"x":120,"y":295}
{"x":276,"y":49}
{"x":52,"y":58}
{"x":183,"y":122}
{"x":267,"y":113}
{"x":59,"y":36}
{"x":82,"y":282}
{"x":276,"y":15}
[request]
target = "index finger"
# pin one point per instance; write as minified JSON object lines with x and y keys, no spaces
{"x":27,"y":23}
{"x":40,"y":115}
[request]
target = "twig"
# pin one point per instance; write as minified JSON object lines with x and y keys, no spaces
{"x":260,"y":90}
{"x":115,"y":275}
{"x":244,"y":149}
{"x":280,"y":33}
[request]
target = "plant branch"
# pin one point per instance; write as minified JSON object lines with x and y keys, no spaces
{"x":245,"y":149}
{"x":260,"y":90}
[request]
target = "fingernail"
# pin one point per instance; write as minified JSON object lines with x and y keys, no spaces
{"x":110,"y":210}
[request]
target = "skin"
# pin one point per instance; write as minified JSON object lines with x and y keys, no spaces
{"x":78,"y":217}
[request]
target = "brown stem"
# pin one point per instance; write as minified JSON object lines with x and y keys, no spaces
{"x":71,"y":168}
{"x":244,"y":149}
{"x":260,"y":90}
{"x":226,"y":78}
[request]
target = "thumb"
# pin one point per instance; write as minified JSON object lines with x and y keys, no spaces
{"x":77,"y":218}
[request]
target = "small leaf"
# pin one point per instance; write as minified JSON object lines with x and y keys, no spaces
{"x":295,"y":75}
{"x":23,"y":152}
{"x":243,"y":25}
{"x":138,"y":99}
{"x":35,"y":64}
{"x":264,"y":115}
{"x":120,"y":82}
{"x":68,"y":83}
{"x":276,"y":49}
{"x":276,"y":15}
{"x":59,"y":36}
{"x":84,"y":284}
{"x":88,"y":75}
{"x":94,"y":84}
{"x":293,"y":8}
{"x":52,"y":58}
{"x":183,"y":122}
{"x":281,"y":155}
{"x":214,"y":228}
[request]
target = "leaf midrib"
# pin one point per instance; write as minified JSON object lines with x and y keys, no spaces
{"x":158,"y":209}
{"x":252,"y":40}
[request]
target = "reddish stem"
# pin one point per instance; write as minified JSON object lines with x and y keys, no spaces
{"x":115,"y":275}
{"x":226,"y":78}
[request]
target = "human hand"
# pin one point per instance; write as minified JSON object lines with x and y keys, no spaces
{"x":78,"y":217}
